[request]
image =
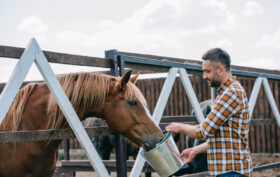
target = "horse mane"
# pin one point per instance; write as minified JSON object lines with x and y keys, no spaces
{"x":85,"y":89}
{"x":82,"y":89}
{"x":17,"y":108}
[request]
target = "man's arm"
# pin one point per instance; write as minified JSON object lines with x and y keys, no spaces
{"x":187,"y":129}
{"x":189,"y":154}
{"x":202,"y":148}
{"x":225,"y":107}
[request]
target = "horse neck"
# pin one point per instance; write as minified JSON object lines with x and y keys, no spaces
{"x":87,"y":93}
{"x":93,"y":110}
{"x":82,"y":109}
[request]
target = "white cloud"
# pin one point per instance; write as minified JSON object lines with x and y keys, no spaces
{"x":159,"y":23}
{"x":221,"y":9}
{"x":252,"y":8}
{"x":270,"y":40}
{"x":217,"y":4}
{"x":130,"y":32}
{"x":32,"y":24}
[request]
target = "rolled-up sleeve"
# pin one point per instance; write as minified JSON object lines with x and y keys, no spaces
{"x":227,"y":105}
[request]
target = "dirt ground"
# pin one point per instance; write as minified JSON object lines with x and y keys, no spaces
{"x":262,"y":159}
{"x":258,"y":159}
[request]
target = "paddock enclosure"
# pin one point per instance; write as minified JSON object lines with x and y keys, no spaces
{"x":264,"y":130}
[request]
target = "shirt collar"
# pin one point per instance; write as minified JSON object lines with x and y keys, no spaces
{"x":223,"y":87}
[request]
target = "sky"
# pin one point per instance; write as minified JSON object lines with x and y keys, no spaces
{"x":248,"y":30}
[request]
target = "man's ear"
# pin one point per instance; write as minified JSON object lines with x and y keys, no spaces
{"x":125,"y":78}
{"x":133,"y":79}
{"x":221,"y":69}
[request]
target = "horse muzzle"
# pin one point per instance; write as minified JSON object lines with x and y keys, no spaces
{"x":151,"y":141}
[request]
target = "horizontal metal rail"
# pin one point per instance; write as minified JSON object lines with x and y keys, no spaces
{"x":255,"y":74}
{"x":160,"y":63}
{"x":170,"y":64}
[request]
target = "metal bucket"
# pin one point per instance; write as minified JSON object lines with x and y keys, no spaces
{"x":165,"y":157}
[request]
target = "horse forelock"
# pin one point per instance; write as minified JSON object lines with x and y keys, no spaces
{"x":15,"y":112}
{"x":133,"y":93}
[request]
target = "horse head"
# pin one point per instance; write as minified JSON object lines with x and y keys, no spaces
{"x":115,"y":99}
{"x":125,"y":111}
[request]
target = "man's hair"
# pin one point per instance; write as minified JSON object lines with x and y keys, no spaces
{"x":218,"y":55}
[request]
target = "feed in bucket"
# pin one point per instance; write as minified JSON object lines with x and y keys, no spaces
{"x":165,"y":157}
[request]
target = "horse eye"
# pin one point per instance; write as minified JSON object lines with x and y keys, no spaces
{"x":132,"y":103}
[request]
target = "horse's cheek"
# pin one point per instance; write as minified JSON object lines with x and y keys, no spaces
{"x":112,"y":108}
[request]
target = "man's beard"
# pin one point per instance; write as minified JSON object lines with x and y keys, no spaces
{"x":216,"y":81}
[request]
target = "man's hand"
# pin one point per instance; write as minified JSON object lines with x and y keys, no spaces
{"x":175,"y":127}
{"x":188,"y":155}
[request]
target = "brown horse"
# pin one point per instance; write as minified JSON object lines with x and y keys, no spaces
{"x":115,"y":99}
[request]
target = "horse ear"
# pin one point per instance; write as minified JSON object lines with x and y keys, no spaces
{"x":125,"y":78}
{"x":133,"y":79}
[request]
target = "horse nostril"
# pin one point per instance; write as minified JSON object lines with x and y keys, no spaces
{"x":148,"y":146}
{"x":151,"y":144}
{"x":151,"y":140}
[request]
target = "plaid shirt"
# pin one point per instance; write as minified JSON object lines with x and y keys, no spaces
{"x":226,"y":130}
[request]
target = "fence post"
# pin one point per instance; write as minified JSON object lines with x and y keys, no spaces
{"x":66,"y":149}
{"x":120,"y":144}
{"x":66,"y":154}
